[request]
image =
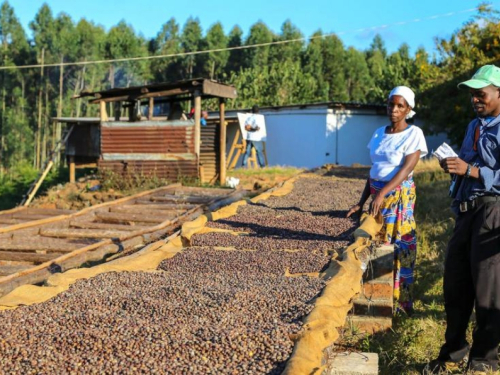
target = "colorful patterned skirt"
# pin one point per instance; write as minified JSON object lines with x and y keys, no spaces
{"x":399,"y":229}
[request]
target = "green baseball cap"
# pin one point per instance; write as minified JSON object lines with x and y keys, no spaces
{"x":485,"y":76}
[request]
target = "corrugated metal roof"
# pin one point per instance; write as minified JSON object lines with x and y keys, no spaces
{"x":206,"y":88}
{"x":231,"y":113}
{"x":340,"y":105}
{"x":83,"y":120}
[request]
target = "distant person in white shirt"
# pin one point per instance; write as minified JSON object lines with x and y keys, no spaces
{"x":252,"y":139}
{"x":395,"y":151}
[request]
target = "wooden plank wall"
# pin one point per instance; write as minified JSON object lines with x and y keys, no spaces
{"x":210,"y":151}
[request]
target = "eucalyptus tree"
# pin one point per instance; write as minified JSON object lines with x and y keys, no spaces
{"x":333,"y":68}
{"x":167,"y":42}
{"x":90,"y":46}
{"x":399,"y":67}
{"x":376,"y":57}
{"x":313,"y":66}
{"x":121,"y":43}
{"x":191,"y":41}
{"x":235,"y":59}
{"x":289,"y":51}
{"x":358,"y":79}
{"x":16,"y":136}
{"x":258,"y":57}
{"x":44,"y":35}
{"x":215,"y":62}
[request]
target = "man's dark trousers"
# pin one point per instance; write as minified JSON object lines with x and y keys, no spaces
{"x":472,"y":279}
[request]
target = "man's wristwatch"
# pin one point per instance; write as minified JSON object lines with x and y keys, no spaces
{"x":467,"y":173}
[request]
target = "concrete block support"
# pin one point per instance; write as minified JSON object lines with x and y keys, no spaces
{"x":381,"y":287}
{"x":363,"y":306}
{"x":369,"y":324}
{"x":373,"y":307}
{"x":353,"y":364}
{"x":380,"y":263}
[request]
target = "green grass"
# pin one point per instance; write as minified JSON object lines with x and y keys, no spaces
{"x":15,"y":184}
{"x":261,"y":179}
{"x":415,"y":340}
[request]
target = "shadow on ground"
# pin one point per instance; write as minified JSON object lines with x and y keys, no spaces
{"x":354,"y":172}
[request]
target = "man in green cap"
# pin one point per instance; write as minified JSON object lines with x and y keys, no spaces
{"x":472,"y":262}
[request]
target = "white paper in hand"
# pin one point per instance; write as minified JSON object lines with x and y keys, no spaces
{"x":444,"y":151}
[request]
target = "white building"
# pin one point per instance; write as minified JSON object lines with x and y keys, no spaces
{"x":312,"y":135}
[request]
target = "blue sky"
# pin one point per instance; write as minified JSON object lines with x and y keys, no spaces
{"x":342,"y":17}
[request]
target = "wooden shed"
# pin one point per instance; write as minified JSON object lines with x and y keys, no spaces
{"x":155,"y":137}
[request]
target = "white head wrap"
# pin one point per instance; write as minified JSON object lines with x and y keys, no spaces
{"x":408,"y":95}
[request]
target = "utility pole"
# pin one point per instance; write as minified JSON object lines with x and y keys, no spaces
{"x":39,"y":124}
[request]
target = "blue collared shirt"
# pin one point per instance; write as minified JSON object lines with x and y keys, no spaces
{"x":486,"y":158}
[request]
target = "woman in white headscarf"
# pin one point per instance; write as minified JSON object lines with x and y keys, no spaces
{"x":395,"y":151}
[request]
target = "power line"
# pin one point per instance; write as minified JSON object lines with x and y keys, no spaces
{"x":182,"y":54}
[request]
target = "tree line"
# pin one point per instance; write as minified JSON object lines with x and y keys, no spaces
{"x":320,"y":68}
